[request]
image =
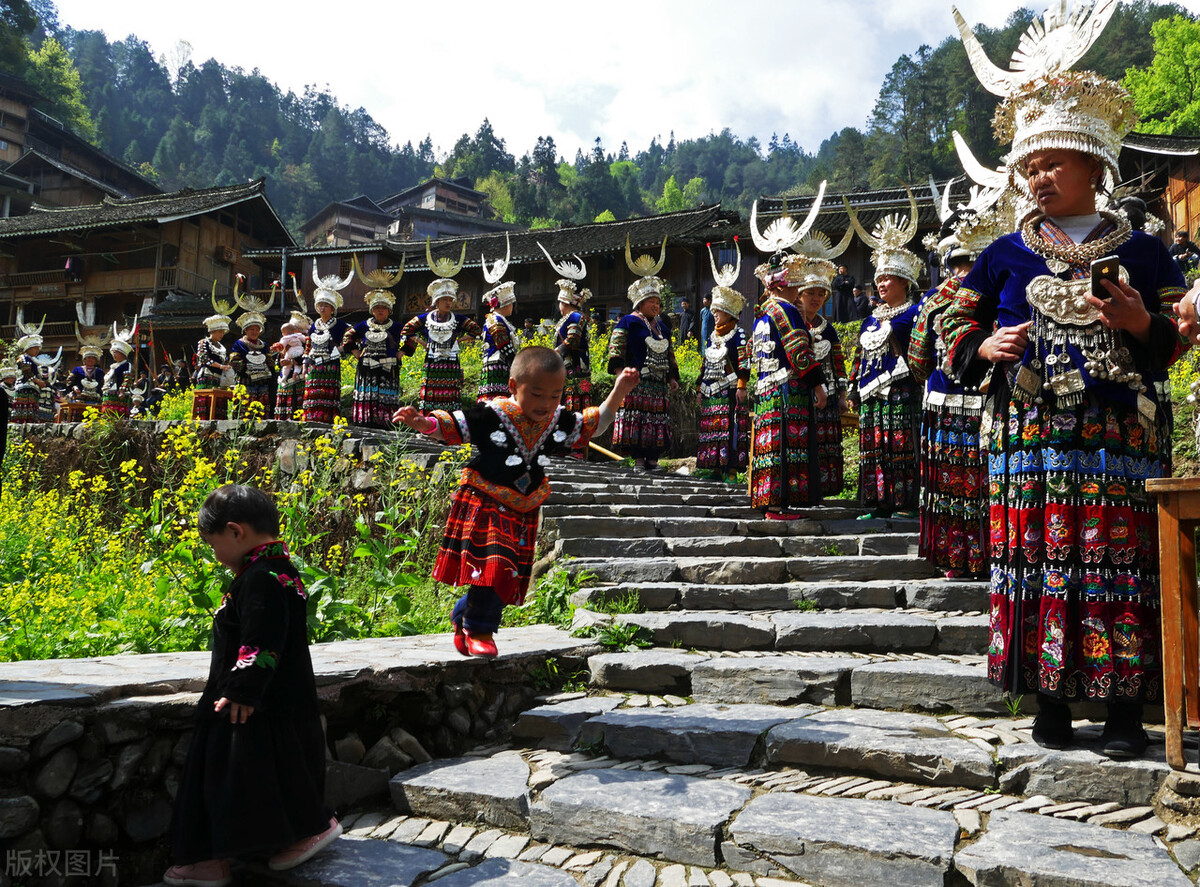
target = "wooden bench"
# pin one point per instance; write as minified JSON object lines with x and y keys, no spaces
{"x":215,"y":396}
{"x":73,"y":411}
{"x":1178,"y":518}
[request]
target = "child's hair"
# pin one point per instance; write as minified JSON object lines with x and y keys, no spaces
{"x":287,"y":329}
{"x":533,"y":360}
{"x":234,"y":503}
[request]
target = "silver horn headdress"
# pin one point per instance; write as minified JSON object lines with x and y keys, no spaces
{"x":255,"y":307}
{"x":571,"y":272}
{"x":888,"y":241}
{"x":780,"y":236}
{"x":380,"y":282}
{"x":329,"y":288}
{"x":123,"y":339}
{"x":724,"y":296}
{"x":91,"y":343}
{"x":501,"y":293}
{"x":648,"y":285}
{"x":31,"y":336}
{"x":444,"y":269}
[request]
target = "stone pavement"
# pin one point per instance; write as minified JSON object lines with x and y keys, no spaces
{"x":812,"y":708}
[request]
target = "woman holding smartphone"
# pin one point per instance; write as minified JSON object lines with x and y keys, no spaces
{"x":1077,"y":417}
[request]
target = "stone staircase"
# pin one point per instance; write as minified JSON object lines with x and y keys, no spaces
{"x":811,"y":707}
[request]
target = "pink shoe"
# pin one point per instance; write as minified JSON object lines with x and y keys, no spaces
{"x":210,"y":873}
{"x":303,"y":851}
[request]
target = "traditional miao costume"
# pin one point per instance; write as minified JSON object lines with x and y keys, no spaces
{"x":951,"y":465}
{"x":84,"y":384}
{"x":573,"y":343}
{"x":784,"y":472}
{"x":115,"y":399}
{"x":500,"y":341}
{"x":724,"y":423}
{"x":251,"y":359}
{"x":27,"y":392}
{"x":439,"y":333}
{"x":289,"y":388}
{"x":211,"y":359}
{"x":1074,"y":428}
{"x":491,"y":530}
{"x":251,"y":789}
{"x":889,"y":398}
{"x":323,"y":363}
{"x":377,"y":376}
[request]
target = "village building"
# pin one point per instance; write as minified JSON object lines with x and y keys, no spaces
{"x":1166,"y":172}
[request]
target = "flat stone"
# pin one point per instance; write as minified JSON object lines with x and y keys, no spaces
{"x":1081,"y":774}
{"x":409,"y":830}
{"x":432,"y":834}
{"x":645,"y":671}
{"x":650,"y":595}
{"x":774,"y":680}
{"x":926,"y":684}
{"x":1152,"y":826}
{"x":361,"y":862}
{"x":458,"y":838}
{"x":650,"y":814}
{"x":643,"y":874}
{"x":493,"y":790}
{"x":711,"y":734}
{"x":673,"y":876}
{"x":1120,"y":817}
{"x":894,"y":745}
{"x":581,"y":861}
{"x":507,"y":847}
{"x":837,"y":842}
{"x":60,"y":735}
{"x":866,"y":632}
{"x":732,"y":569}
{"x":558,"y":725}
{"x":1187,"y":854}
{"x":962,"y":634}
{"x":17,"y":816}
{"x":623,"y":548}
{"x":734,"y":547}
{"x":479,"y":845}
{"x":860,"y":569}
{"x":714,"y":630}
{"x":947,"y":594}
{"x":654,"y":569}
{"x":1029,"y":849}
{"x":557,"y":855}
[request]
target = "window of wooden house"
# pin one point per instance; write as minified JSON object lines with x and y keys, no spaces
{"x":344,"y":266}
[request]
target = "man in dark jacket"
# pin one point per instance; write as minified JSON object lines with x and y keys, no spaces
{"x":687,"y":321}
{"x":843,"y":296}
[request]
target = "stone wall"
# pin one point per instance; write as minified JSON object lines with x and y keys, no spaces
{"x":91,"y":750}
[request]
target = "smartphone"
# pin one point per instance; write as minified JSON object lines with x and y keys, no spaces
{"x":1104,"y":269}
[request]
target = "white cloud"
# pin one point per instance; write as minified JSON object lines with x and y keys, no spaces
{"x":621,"y":70}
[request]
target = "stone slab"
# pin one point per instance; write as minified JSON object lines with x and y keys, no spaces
{"x":716,"y":630}
{"x":361,"y":862}
{"x":678,"y":818}
{"x":732,"y":569}
{"x":947,"y":594}
{"x":645,"y":671}
{"x":1081,"y":774}
{"x":892,"y":745}
{"x":963,"y":634}
{"x":493,"y":790}
{"x":650,"y":595}
{"x":590,"y":547}
{"x":763,"y":596}
{"x":838,"y":842}
{"x":774,"y":680}
{"x":557,"y":726}
{"x":653,"y":569}
{"x":1024,"y":848}
{"x":724,"y":735}
{"x":866,"y":632}
{"x":723,"y":546}
{"x":926,"y":684}
{"x":508,"y":873}
{"x":861,"y":569}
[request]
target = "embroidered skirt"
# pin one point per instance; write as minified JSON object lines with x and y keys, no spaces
{"x":289,"y":397}
{"x":952,"y":491}
{"x":887,"y":446}
{"x":577,"y":394}
{"x":493,"y":382}
{"x":322,"y":391}
{"x":1074,"y":548}
{"x":260,"y":392}
{"x":376,"y":396}
{"x":116,"y":403}
{"x":441,"y":387}
{"x":781,"y":463}
{"x":724,"y":431}
{"x":831,"y":460}
{"x":486,"y":543}
{"x":25,"y":404}
{"x":643,"y":423}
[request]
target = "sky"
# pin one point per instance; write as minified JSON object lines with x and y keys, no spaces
{"x":618,"y":71}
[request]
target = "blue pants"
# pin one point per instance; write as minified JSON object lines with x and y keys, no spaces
{"x":478,"y":611}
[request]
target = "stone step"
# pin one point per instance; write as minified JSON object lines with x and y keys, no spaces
{"x":642,"y":509}
{"x":904,"y":544}
{"x":925,"y":594}
{"x":866,"y":631}
{"x":739,"y":570}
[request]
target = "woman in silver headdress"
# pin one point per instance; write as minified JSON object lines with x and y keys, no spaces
{"x":1079,"y":416}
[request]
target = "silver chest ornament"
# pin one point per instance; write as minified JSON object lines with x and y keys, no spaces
{"x":442,"y":341}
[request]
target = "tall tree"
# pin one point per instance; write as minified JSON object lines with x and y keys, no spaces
{"x":1167,"y":94}
{"x":17,"y":21}
{"x":52,"y":74}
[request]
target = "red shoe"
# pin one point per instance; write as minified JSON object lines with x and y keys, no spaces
{"x":211,"y":873}
{"x":782,"y":515}
{"x":460,"y":640}
{"x":303,"y":851}
{"x":481,"y":645}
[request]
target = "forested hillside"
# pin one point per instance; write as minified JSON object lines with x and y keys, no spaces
{"x":201,"y":124}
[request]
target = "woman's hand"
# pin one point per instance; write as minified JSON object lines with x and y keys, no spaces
{"x":673,"y":385}
{"x":411,"y":417}
{"x":820,"y":397}
{"x":1123,"y":310}
{"x":741,"y":397}
{"x":238,"y":713}
{"x":1006,"y":344}
{"x":1189,"y":321}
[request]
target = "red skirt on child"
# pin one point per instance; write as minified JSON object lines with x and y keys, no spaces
{"x":487,"y":543}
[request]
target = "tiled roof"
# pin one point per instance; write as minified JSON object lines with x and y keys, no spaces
{"x":160,"y":208}
{"x":1160,"y":144}
{"x":31,"y":154}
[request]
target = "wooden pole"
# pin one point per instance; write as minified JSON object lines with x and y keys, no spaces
{"x":603,"y":452}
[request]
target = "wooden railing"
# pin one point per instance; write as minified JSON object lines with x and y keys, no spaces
{"x":33,"y":278}
{"x":50,"y":330}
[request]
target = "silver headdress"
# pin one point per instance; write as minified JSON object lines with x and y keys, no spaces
{"x":502,"y":293}
{"x":220,"y":320}
{"x":92,"y":343}
{"x":329,"y":288}
{"x":445,"y":269}
{"x":49,"y":364}
{"x":31,"y":336}
{"x":380,"y":282}
{"x":817,"y":269}
{"x":648,"y":285}
{"x":888,"y":240}
{"x":724,"y":296}
{"x":122,"y":340}
{"x":254,"y":307}
{"x":969,"y":228}
{"x":299,"y":318}
{"x":779,"y":236}
{"x":571,"y":272}
{"x":1047,"y":105}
